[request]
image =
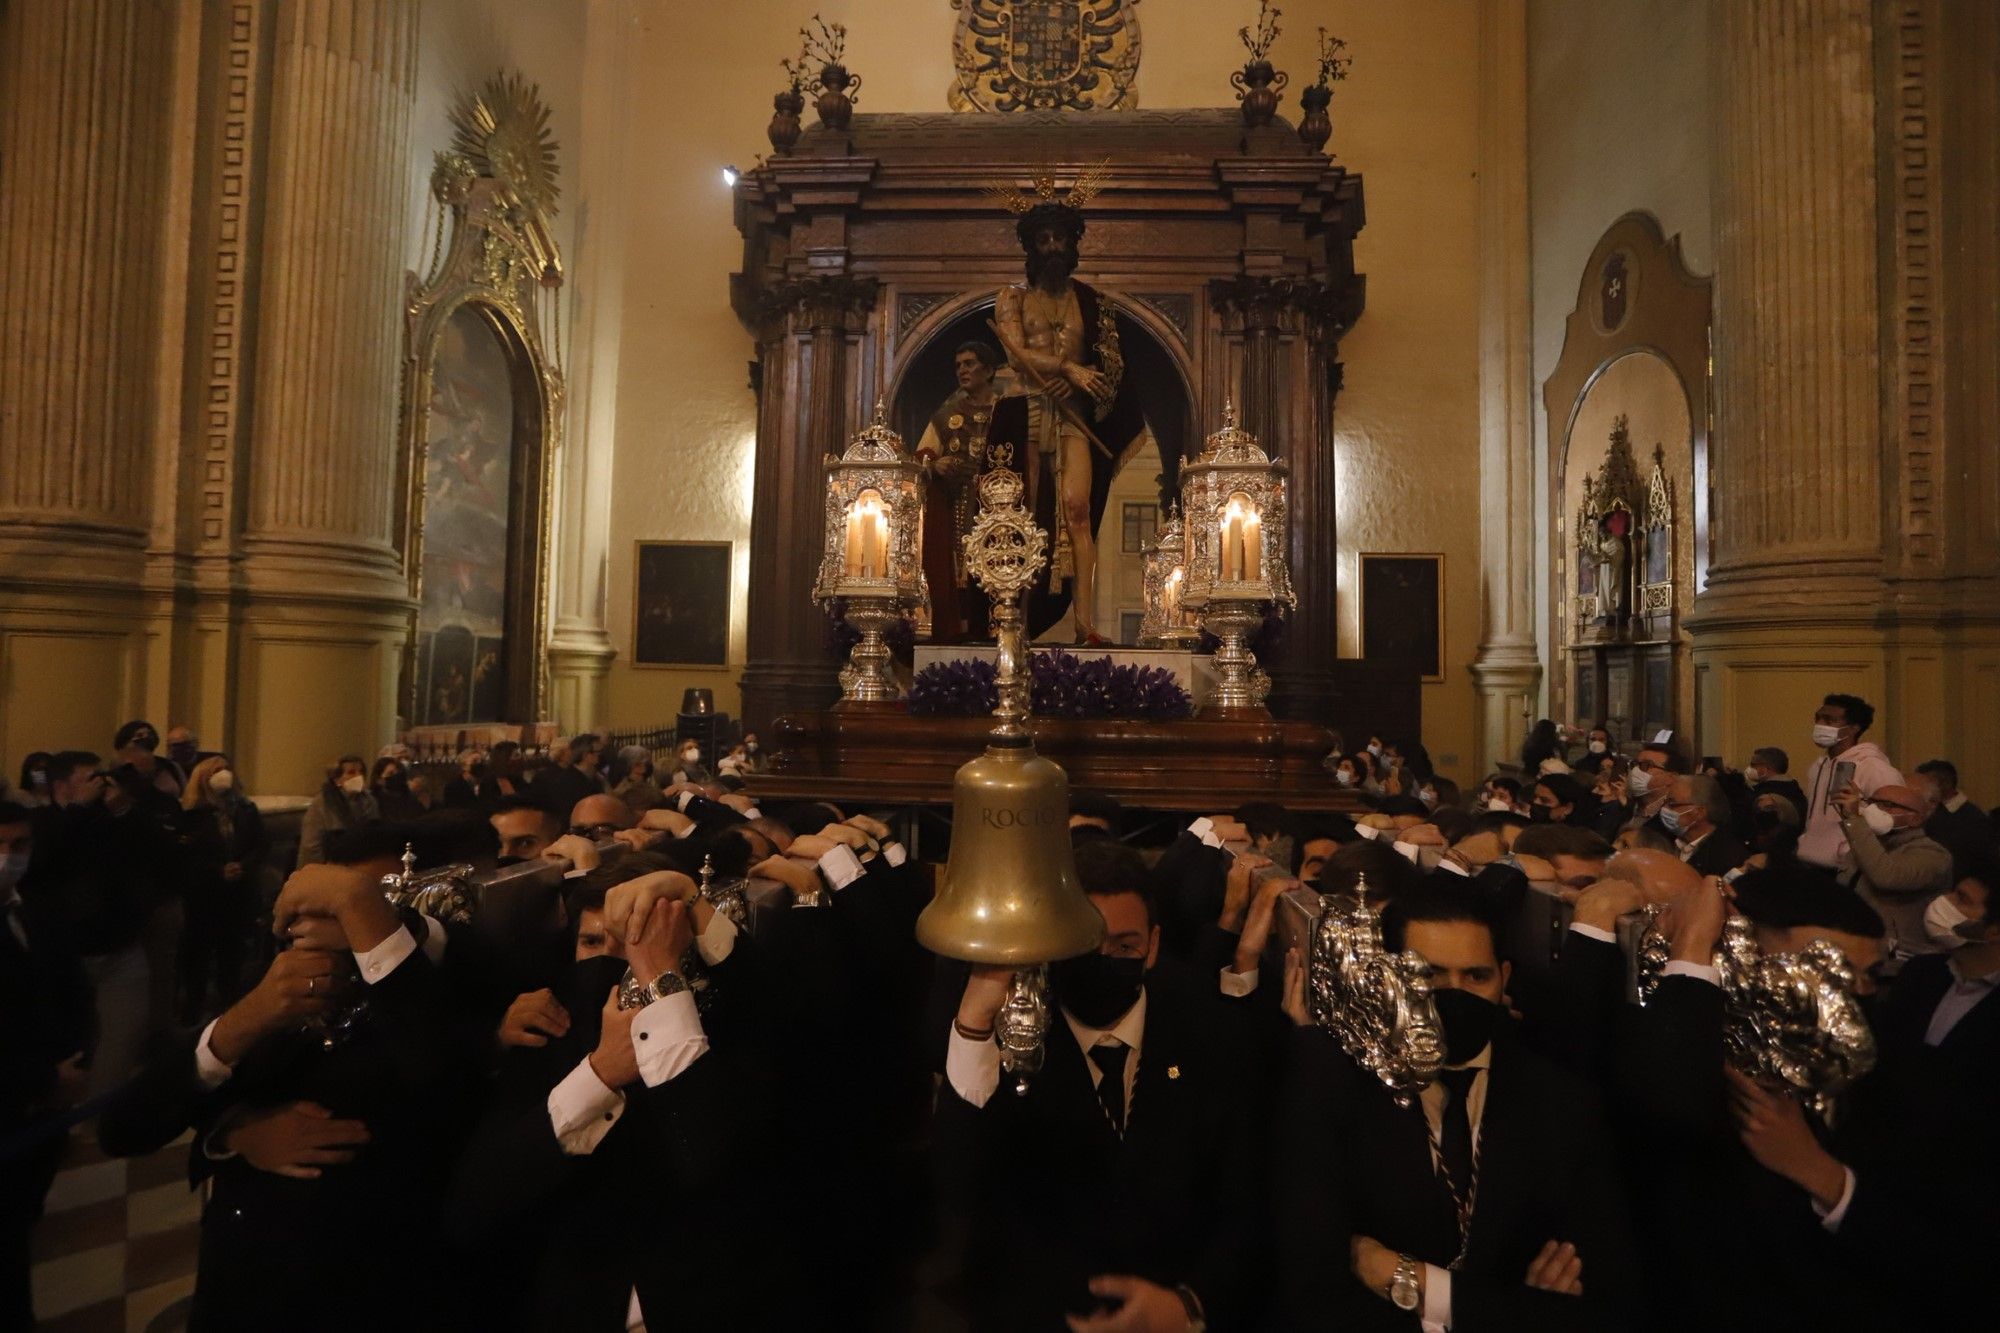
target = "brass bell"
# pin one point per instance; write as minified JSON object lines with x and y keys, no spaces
{"x":1009,"y":894}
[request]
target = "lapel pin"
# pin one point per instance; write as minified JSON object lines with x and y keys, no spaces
{"x":1173,"y":1071}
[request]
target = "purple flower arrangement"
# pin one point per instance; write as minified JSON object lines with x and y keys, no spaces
{"x":1064,"y":685}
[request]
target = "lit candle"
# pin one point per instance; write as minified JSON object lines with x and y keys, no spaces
{"x":881,"y":543}
{"x":1171,"y":595}
{"x":1253,"y":546}
{"x":865,"y":513}
{"x":853,"y":563}
{"x":1232,"y":542}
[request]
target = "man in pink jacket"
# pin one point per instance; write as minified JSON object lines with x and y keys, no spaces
{"x":1837,"y":729}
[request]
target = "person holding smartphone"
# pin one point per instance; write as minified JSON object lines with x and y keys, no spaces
{"x":1848,"y":760}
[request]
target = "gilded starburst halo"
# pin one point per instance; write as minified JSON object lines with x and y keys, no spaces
{"x":1090,"y":181}
{"x":504,"y":130}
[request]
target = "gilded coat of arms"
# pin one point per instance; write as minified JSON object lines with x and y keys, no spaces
{"x":1045,"y":55}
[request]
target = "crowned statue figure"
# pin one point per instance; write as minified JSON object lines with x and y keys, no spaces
{"x":1074,"y":418}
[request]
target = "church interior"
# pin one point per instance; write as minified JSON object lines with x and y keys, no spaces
{"x":903,"y":541}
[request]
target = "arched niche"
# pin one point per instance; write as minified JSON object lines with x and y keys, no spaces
{"x":1154,"y":358}
{"x":481,"y":422}
{"x":1628,"y":410}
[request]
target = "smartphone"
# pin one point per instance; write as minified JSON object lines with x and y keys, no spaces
{"x":1843,"y":776}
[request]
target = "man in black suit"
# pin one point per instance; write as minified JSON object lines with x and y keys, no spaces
{"x":324,"y":1155}
{"x":1963,"y":828}
{"x":1119,"y":1191}
{"x":1492,"y":1204}
{"x":1942,"y":1011}
{"x":1698,"y":815}
{"x":1868,"y":1221}
{"x":46,"y":999}
{"x":616,"y":1113}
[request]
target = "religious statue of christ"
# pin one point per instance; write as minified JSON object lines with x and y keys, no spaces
{"x":1074,"y":419}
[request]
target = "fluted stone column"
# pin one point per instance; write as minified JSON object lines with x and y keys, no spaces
{"x":1797,"y":470}
{"x":580,"y":649}
{"x":85,"y":170}
{"x":1507,"y":668}
{"x":1855,"y":375}
{"x":328,"y":607}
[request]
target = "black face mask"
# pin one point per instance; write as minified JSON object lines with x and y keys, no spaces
{"x":1469,"y":1022}
{"x":589,"y":982}
{"x":1098,"y":988}
{"x":1540,"y":814}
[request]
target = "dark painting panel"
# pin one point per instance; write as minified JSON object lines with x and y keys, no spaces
{"x":682,"y":616}
{"x":468,"y":468}
{"x":1588,"y":708}
{"x":1402,"y":611}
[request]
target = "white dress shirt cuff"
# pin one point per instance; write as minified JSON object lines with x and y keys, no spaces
{"x":717,"y":942}
{"x":207,"y":1066}
{"x":387,"y":956}
{"x":582,"y":1110}
{"x":1454,"y":868}
{"x":1831,"y":1218}
{"x":1598,"y":933}
{"x":1680,"y":967}
{"x":682,"y":804}
{"x":1407,"y":850}
{"x":1238,"y":984}
{"x":1204,"y":828}
{"x":840,"y":866}
{"x":972,"y":1067}
{"x":1437,"y":1299}
{"x":893,"y":853}
{"x":667,"y":1038}
{"x":1368,"y":831}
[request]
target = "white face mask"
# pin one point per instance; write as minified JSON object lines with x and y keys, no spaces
{"x":1375,"y":748}
{"x":1428,"y":796}
{"x":1344,"y":777}
{"x":1597,"y":747}
{"x":1500,"y":805}
{"x":1824,"y":736}
{"x":222,"y":781}
{"x":750,"y":747}
{"x":12,"y":867}
{"x":1638,"y":781}
{"x":354,"y":784}
{"x":1942,"y":920}
{"x":690,"y":756}
{"x":1879,"y":820}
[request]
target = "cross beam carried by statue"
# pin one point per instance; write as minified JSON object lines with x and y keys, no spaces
{"x":1076,"y":417}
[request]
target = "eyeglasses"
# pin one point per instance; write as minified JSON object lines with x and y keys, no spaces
{"x":1892,"y":807}
{"x":596,"y":832}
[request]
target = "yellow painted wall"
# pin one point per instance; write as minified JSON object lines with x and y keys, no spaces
{"x":1407,"y":420}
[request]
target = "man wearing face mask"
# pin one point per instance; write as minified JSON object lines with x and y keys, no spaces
{"x":1491,"y":1203}
{"x":1698,"y":815}
{"x":1942,"y":1009}
{"x":1893,"y":864}
{"x":1837,"y":730}
{"x":1965,"y":830}
{"x":1121,"y":1186}
{"x":573,"y":776}
{"x":1642,"y":792}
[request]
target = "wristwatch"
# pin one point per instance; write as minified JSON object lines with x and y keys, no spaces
{"x":1403,"y":1291}
{"x":665,"y":984}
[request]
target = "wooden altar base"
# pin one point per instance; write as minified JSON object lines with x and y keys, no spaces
{"x":881,"y":753}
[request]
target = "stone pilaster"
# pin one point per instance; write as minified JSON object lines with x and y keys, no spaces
{"x":85,"y":178}
{"x":580,"y":649}
{"x":1507,"y":669}
{"x":320,"y":638}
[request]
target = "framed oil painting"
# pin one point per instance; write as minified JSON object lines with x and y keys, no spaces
{"x":1402,"y":611}
{"x":680,"y":615}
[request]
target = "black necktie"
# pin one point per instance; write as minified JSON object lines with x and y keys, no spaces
{"x":1110,"y":1062}
{"x":1455,"y":1131}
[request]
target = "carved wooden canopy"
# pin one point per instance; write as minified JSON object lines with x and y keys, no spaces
{"x":1230,"y":250}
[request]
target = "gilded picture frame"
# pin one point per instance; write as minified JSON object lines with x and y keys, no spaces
{"x":681,"y":603}
{"x":1389,"y":581}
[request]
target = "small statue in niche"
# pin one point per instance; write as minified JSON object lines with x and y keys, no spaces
{"x":1614,"y":568}
{"x":953,"y":449}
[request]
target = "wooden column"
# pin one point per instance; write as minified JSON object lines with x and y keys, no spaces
{"x":803,"y":415}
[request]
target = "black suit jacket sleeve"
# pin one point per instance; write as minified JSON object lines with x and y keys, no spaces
{"x":1189,"y":882}
{"x":1586,"y":988}
{"x":1671,"y":1072}
{"x":156,"y":1106}
{"x":1317,"y":1105}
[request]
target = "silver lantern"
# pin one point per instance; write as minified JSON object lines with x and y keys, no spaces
{"x":1168,"y":623}
{"x":871,"y":559}
{"x":1233,"y":503}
